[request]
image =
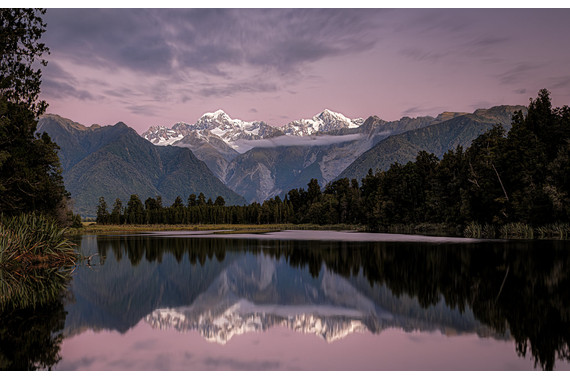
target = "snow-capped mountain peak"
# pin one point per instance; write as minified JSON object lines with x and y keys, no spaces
{"x":230,"y":130}
{"x":325,"y":121}
{"x":219,"y":119}
{"x":161,"y":135}
{"x":217,"y":123}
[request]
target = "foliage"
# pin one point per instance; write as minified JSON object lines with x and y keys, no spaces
{"x":32,"y":240}
{"x":561,"y":231}
{"x":517,"y":230}
{"x":30,"y":172}
{"x":19,"y":49}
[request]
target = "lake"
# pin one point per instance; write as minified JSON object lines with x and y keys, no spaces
{"x":303,"y":300}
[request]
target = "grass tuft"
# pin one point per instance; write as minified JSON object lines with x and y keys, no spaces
{"x":32,"y":240}
{"x":517,"y":230}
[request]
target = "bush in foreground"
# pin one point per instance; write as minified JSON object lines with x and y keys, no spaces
{"x":31,"y":240}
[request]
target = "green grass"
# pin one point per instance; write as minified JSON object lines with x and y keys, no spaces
{"x":32,"y":287}
{"x":559,"y":231}
{"x":31,"y":240}
{"x":36,"y":261}
{"x":517,"y":230}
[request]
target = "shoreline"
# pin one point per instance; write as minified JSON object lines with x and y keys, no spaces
{"x":92,"y":228}
{"x":515,"y":231}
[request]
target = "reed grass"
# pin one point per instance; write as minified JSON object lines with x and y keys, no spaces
{"x":560,"y":231}
{"x":33,"y":240}
{"x":473,"y":230}
{"x":517,"y":230}
{"x":476,"y":230}
{"x":32,"y":287}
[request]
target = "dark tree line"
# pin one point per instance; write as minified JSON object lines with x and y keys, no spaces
{"x":519,"y":176}
{"x":197,"y":210}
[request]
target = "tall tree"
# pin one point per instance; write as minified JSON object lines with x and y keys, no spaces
{"x":135,"y":210}
{"x":30,"y":172}
{"x":19,"y":49}
{"x":192,"y":200}
{"x":102,"y":213}
{"x":116,"y":212}
{"x":220,"y":201}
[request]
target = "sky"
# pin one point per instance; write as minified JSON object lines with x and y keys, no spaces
{"x":160,"y":66}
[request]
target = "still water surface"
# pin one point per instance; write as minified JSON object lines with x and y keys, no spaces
{"x":316,"y":301}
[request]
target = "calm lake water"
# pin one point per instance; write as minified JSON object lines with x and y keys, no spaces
{"x":312,"y":301}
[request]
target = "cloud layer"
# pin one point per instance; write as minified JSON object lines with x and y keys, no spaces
{"x":148,"y":66}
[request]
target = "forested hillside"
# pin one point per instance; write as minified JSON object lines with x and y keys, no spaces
{"x":453,"y":131}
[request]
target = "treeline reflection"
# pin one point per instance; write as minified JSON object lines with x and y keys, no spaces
{"x":32,"y":317}
{"x":522,"y":286}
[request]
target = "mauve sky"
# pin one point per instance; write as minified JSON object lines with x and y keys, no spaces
{"x":160,"y":66}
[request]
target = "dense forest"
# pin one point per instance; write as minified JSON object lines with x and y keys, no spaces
{"x":522,"y":176}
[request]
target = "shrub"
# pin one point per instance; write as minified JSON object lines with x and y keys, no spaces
{"x":32,"y":239}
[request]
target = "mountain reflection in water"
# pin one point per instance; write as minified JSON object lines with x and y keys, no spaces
{"x":224,"y":287}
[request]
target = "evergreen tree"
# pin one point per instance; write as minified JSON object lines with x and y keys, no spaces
{"x":313,"y":191}
{"x":152,"y":211}
{"x":192,"y":200}
{"x":557,"y":186}
{"x":178,"y":202}
{"x":134,"y":213}
{"x":20,"y":51}
{"x":116,"y":212}
{"x":102,"y":213}
{"x":30,"y":172}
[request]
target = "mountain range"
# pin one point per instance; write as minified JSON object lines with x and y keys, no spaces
{"x":248,"y":161}
{"x":259,"y":162}
{"x":115,"y":162}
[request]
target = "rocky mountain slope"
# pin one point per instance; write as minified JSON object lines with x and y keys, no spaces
{"x":115,"y":162}
{"x":438,"y":138}
{"x":265,"y":172}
